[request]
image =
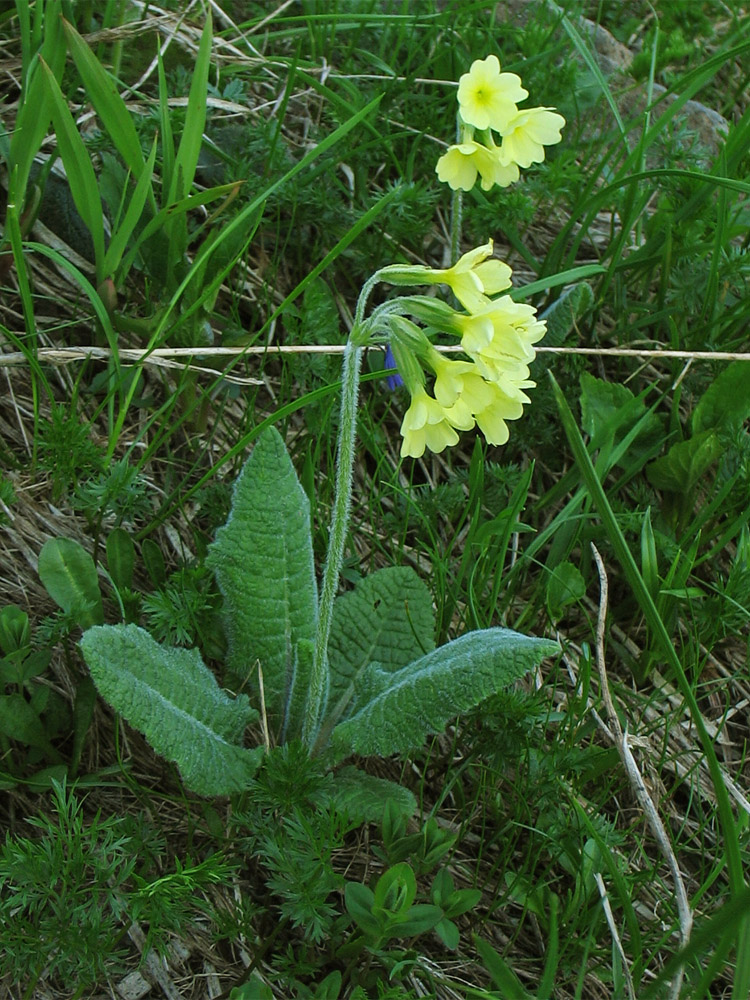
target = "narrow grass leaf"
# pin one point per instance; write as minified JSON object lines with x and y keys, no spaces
{"x":195,"y":120}
{"x":35,"y":111}
{"x":136,"y":203}
{"x":78,"y":168}
{"x":109,"y":106}
{"x":661,"y":636}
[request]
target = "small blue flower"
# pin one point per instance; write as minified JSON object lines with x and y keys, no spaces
{"x":392,"y":381}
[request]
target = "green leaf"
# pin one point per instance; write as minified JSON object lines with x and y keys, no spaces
{"x":359,"y":901}
{"x":364,"y":797}
{"x":136,"y":203}
{"x":78,"y":169}
{"x":19,"y":721}
{"x":387,"y":618}
{"x":15,"y":632}
{"x":395,"y":711}
{"x":263,"y":562}
{"x":686,"y":462}
{"x":121,"y":557}
{"x":562,"y":318}
{"x":421,"y":918}
{"x":109,"y":106}
{"x":83,"y":713}
{"x":69,"y":576}
{"x":565,"y":586}
{"x":330,"y":988}
{"x":299,"y":686}
{"x":35,"y":111}
{"x":153,"y":560}
{"x":500,"y":972}
{"x":395,"y":890}
{"x":726,"y":402}
{"x":195,"y":120}
{"x":174,"y":700}
{"x":602,"y":403}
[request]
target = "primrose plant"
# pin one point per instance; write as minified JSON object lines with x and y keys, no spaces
{"x":356,"y":673}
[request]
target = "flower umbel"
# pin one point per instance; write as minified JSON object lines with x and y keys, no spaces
{"x":497,"y":334}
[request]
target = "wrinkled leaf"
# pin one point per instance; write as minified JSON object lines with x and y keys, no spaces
{"x":174,"y":700}
{"x":387,"y":618}
{"x":263,"y":562}
{"x":395,"y":711}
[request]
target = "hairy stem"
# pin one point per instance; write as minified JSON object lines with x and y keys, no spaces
{"x":319,"y":680}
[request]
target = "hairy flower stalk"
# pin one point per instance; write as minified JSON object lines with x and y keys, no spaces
{"x":319,"y":680}
{"x":318,"y":691}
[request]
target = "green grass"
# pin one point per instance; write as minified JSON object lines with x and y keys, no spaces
{"x":315,"y":167}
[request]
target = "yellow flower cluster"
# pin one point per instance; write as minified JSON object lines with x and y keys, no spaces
{"x":497,"y":334}
{"x":487,"y":101}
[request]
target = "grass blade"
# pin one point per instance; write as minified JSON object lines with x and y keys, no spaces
{"x":662,"y":639}
{"x":79,"y":171}
{"x":109,"y":106}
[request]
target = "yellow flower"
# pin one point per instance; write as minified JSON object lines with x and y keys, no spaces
{"x":425,"y":425}
{"x":500,"y":338}
{"x":486,"y":97}
{"x":461,"y":164}
{"x":472,"y":278}
{"x":526,"y":135}
{"x":460,"y":390}
{"x":467,"y":397}
{"x":501,"y":407}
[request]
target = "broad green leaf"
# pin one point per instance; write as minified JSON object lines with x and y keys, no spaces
{"x":69,"y":576}
{"x":726,"y":402}
{"x":602,"y":403}
{"x":174,"y":700}
{"x":330,"y":988}
{"x":364,"y":797}
{"x":19,"y":721}
{"x":565,"y":586}
{"x":153,"y":560}
{"x":387,"y":618}
{"x":561,"y":319}
{"x":109,"y":106}
{"x":395,"y":711}
{"x":120,"y":557}
{"x":15,"y":632}
{"x":610,"y":412}
{"x":680,"y":470}
{"x":263,"y":562}
{"x":78,"y":169}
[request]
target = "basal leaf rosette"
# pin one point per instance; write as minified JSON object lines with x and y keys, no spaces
{"x":488,"y":102}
